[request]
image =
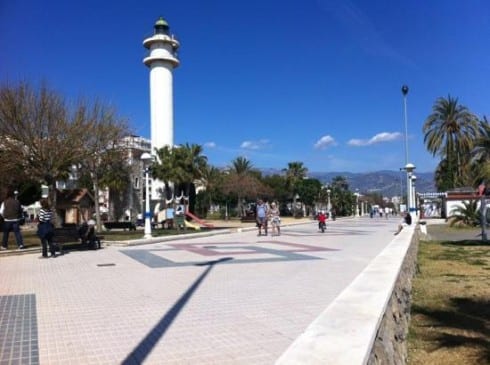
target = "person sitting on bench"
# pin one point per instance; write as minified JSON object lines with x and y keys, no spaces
{"x":88,"y":236}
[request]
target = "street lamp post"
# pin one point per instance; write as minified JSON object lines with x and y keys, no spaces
{"x":408,"y":166}
{"x":357,"y":202}
{"x":414,"y":199}
{"x":405,"y":92}
{"x":409,"y":169}
{"x":401,"y":183}
{"x":147,"y":158}
{"x":329,"y":205}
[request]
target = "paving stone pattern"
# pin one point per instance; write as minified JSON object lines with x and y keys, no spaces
{"x":230,"y":299}
{"x":18,"y":330}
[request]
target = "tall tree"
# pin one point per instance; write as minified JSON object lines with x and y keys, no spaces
{"x":163,"y":168}
{"x":308,"y":190}
{"x":442,"y":179}
{"x":450,"y":131}
{"x":277,"y":184}
{"x":211,"y":179}
{"x":179,"y":168}
{"x":50,"y":139}
{"x":243,"y":182}
{"x":342,"y":199}
{"x":39,"y":133}
{"x":189,"y":164}
{"x":103,"y":156}
{"x":480,"y":155}
{"x":295,"y":172}
{"x":241,"y":166}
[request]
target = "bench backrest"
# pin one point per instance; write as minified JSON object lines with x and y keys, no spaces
{"x":66,"y":234}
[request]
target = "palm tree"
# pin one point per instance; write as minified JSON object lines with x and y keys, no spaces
{"x":341,"y":197}
{"x":179,"y":166}
{"x":163,"y":169}
{"x":340,"y":182}
{"x":211,"y":179}
{"x":442,"y":179}
{"x":295,"y":172}
{"x":241,"y":165}
{"x":242,"y":181}
{"x":189,"y":164}
{"x":450,"y":132}
{"x":480,"y":155}
{"x":466,"y":215}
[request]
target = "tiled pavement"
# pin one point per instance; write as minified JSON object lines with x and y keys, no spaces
{"x":227,"y":299}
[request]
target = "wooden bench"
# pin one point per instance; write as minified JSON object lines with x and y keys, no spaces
{"x":71,"y":234}
{"x":120,"y":225}
{"x":165,"y":224}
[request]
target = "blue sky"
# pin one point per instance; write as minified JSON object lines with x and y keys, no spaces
{"x":316,"y":81}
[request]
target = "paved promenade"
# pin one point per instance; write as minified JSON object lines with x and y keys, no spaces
{"x":231,"y":298}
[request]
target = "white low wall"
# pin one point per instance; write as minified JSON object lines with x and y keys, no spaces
{"x":344,"y":334}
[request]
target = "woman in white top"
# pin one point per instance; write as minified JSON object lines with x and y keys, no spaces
{"x":275,"y":219}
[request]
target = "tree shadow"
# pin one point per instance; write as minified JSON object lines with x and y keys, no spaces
{"x":142,"y":350}
{"x":466,"y":243}
{"x":470,"y":317}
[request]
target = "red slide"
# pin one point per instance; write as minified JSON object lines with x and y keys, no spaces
{"x":199,"y":220}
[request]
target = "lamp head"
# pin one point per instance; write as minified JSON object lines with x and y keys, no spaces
{"x":146,"y":158}
{"x":409,"y":167}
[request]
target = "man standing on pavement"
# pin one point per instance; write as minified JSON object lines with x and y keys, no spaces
{"x":261,"y":212}
{"x":11,"y":212}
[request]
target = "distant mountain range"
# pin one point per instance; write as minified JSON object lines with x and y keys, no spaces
{"x":387,"y":183}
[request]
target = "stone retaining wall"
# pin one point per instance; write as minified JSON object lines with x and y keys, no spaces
{"x":390,"y":345}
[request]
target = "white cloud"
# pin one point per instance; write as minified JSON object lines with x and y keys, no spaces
{"x":357,"y":142}
{"x":255,"y":145}
{"x":325,"y":142}
{"x":210,"y":144}
{"x":378,"y":138}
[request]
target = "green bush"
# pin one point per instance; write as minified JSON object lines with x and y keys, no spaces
{"x":466,"y":215}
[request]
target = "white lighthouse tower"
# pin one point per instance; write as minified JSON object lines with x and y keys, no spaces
{"x":161,"y":60}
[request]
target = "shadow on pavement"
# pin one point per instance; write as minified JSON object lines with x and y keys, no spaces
{"x":140,"y":352}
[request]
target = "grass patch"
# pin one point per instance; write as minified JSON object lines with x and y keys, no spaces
{"x":450,"y":314}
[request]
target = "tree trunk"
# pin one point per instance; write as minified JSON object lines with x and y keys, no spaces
{"x":97,"y":206}
{"x":53,"y":196}
{"x":239,"y":206}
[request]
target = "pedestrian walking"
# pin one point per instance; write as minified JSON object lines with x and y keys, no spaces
{"x":261,"y":215}
{"x":275,"y":218}
{"x":45,"y":229}
{"x":11,"y":211}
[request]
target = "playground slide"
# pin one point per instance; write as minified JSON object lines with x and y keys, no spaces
{"x":198,"y":220}
{"x":192,"y":225}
